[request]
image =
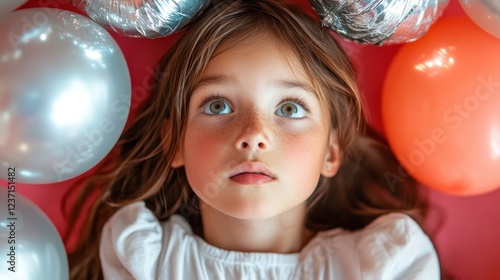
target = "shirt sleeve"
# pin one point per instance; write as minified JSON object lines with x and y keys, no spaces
{"x":130,"y":244}
{"x":395,"y":247}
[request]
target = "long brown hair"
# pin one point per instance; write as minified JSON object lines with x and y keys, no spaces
{"x":139,"y":168}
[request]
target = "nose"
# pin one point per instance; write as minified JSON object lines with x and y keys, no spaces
{"x":254,"y":135}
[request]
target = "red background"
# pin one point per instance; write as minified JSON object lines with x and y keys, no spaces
{"x":465,"y":230}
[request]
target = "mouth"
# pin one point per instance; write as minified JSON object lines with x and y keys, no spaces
{"x":251,"y":173}
{"x":251,"y":178}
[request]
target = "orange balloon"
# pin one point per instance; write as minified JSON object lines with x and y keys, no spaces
{"x":441,"y":108}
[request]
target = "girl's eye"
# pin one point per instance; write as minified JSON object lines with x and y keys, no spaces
{"x":291,"y":110}
{"x":216,"y":107}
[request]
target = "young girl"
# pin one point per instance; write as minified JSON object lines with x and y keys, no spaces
{"x":249,"y":161}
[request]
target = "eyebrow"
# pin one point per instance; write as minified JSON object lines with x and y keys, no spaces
{"x":289,"y":84}
{"x":230,"y":80}
{"x":215,"y":80}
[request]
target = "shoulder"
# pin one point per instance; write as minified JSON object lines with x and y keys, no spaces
{"x":136,"y":217}
{"x":394,"y":246}
{"x":132,"y":241}
{"x":398,"y":228}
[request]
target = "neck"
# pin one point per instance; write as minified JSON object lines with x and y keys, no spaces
{"x":285,"y":233}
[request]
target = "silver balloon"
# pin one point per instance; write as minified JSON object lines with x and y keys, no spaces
{"x":6,"y":6}
{"x":30,"y":246}
{"x":142,"y":18}
{"x":379,"y":22}
{"x":64,"y":94}
{"x":485,"y":13}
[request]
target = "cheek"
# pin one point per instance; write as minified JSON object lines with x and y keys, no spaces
{"x":305,"y":153}
{"x":202,"y":156}
{"x":207,"y":141}
{"x":199,"y":144}
{"x":308,"y":146}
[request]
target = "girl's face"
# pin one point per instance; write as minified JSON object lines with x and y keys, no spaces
{"x":257,"y":138}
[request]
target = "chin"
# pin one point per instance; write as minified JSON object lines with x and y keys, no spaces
{"x":249,"y":210}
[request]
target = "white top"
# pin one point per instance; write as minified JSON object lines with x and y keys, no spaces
{"x":135,"y":245}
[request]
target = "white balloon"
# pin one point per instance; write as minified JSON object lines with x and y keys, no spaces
{"x":64,"y":94}
{"x":485,"y":13}
{"x":30,"y":246}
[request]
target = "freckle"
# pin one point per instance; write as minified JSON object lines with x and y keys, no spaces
{"x":287,"y":140}
{"x":223,"y":134}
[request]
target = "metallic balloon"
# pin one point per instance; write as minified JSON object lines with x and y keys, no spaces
{"x":64,"y":94}
{"x":379,"y":22}
{"x":30,"y":246}
{"x":485,"y":13}
{"x":6,"y":6}
{"x":142,"y":18}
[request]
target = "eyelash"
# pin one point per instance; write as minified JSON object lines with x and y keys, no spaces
{"x":216,"y":96}
{"x":297,"y":100}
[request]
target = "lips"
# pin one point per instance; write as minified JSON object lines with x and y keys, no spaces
{"x":251,"y":173}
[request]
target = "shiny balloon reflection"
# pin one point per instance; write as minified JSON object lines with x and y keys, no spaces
{"x":142,"y":18}
{"x":439,"y":60}
{"x":64,"y":94}
{"x":379,"y":22}
{"x":29,"y":243}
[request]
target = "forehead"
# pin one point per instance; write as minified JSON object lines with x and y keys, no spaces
{"x":263,"y":51}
